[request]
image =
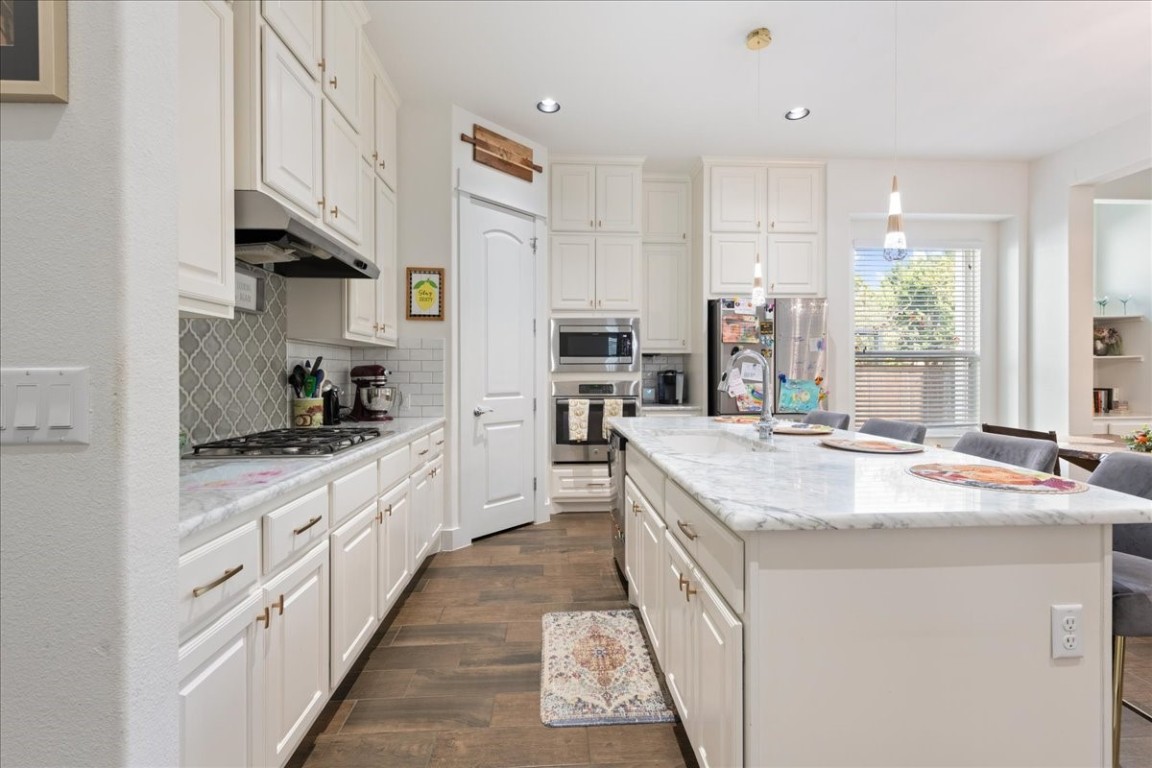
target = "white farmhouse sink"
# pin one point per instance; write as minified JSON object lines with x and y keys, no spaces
{"x":708,"y":442}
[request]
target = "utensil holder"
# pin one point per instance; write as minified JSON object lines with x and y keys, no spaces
{"x":308,"y":412}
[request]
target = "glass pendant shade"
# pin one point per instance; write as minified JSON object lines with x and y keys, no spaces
{"x":895,"y":244}
{"x":758,"y":298}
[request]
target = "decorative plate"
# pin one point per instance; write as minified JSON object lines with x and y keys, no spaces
{"x":996,"y":478}
{"x":871,"y":446}
{"x":737,"y":419}
{"x":800,"y":428}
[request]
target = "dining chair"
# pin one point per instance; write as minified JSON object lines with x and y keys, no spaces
{"x":1035,"y":434}
{"x":1026,"y":452}
{"x":908,"y":431}
{"x":1131,"y":574}
{"x":828,"y":419}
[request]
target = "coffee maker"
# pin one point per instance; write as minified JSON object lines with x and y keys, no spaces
{"x":373,"y":398}
{"x":670,"y":387}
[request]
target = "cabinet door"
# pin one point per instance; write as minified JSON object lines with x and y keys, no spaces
{"x":633,"y":513}
{"x":734,"y":260}
{"x":618,"y":198}
{"x":737,"y":199}
{"x":366,"y":103}
{"x":297,"y":656}
{"x":795,"y":197}
{"x":394,"y":547}
{"x":718,"y":731}
{"x":297,"y":22}
{"x":386,"y":113}
{"x":573,"y":272}
{"x":439,"y":502}
{"x":291,"y":127}
{"x":664,"y":323}
{"x":341,"y":78}
{"x":573,"y":207}
{"x":354,"y":582}
{"x":360,"y":296}
{"x":618,"y":273}
{"x":343,"y":210}
{"x":652,"y":562}
{"x":419,"y":482}
{"x":386,"y":294}
{"x":793,"y":265}
{"x":679,"y":630}
{"x":206,"y":249}
{"x":221,"y":691}
{"x":665,"y":210}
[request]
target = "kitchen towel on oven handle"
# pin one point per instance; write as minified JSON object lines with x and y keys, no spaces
{"x":578,"y":420}
{"x":613,"y":406}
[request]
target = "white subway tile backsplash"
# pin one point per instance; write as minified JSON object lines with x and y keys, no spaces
{"x":421,"y":377}
{"x":408,"y":342}
{"x":415,"y":364}
{"x":421,"y":354}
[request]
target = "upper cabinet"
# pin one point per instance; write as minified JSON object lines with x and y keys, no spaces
{"x":378,"y":112}
{"x":738,"y":199}
{"x":596,"y":197}
{"x":341,"y":63}
{"x":343,"y":208}
{"x":291,"y":126}
{"x":666,"y":211}
{"x":206,"y":241}
{"x":795,"y":199}
{"x":297,"y":22}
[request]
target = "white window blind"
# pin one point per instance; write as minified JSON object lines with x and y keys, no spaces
{"x":918,"y":337}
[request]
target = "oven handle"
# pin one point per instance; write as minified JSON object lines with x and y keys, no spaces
{"x":598,"y":400}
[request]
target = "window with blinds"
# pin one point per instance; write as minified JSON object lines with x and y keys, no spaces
{"x":918,"y":337}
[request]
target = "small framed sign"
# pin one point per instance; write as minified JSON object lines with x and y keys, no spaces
{"x":34,"y":50}
{"x":425,"y":293}
{"x":249,"y":292}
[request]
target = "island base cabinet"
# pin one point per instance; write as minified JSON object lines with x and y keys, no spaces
{"x":222,"y":691}
{"x":680,"y":631}
{"x":651,"y":597}
{"x":354,"y":582}
{"x":633,"y":514}
{"x":297,"y":653}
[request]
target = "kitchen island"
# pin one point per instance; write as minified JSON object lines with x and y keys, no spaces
{"x":814,"y":606}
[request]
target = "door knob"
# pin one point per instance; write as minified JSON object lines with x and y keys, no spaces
{"x":480,"y":410}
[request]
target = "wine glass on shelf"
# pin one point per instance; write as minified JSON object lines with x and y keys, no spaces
{"x":1103,"y":302}
{"x":1124,"y":302}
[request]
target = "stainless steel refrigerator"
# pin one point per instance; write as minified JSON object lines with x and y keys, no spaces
{"x":793,"y":338}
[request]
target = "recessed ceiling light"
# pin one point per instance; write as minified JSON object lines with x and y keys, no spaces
{"x":796,"y":113}
{"x":548,"y":106}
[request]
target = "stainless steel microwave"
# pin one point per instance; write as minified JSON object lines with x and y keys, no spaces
{"x":604,"y":345}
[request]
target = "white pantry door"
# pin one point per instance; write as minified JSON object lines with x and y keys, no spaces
{"x":497,"y":309}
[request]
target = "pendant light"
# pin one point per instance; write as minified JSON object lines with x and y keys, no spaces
{"x":895,"y":243}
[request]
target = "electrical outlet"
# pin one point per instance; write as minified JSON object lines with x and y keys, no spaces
{"x":1066,"y":626}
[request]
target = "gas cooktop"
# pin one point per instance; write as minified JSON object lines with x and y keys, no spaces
{"x":312,"y":442}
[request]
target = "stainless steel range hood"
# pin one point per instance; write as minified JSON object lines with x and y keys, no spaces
{"x":268,"y":232}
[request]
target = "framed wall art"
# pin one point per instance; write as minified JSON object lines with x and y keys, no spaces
{"x":425,"y":293}
{"x":34,"y":50}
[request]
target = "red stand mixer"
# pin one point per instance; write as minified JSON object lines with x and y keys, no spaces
{"x":373,"y":399}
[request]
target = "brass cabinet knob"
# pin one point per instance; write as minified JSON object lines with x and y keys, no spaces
{"x":332,"y":82}
{"x":388,"y":510}
{"x":335,"y":212}
{"x":636,"y":508}
{"x":383,"y":164}
{"x":591,"y":224}
{"x":688,"y":592}
{"x":279,"y":605}
{"x":265,"y":617}
{"x":321,"y":64}
{"x":683,"y":582}
{"x":375,"y":155}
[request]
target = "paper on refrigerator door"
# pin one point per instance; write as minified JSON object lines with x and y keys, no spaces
{"x":751,"y":371}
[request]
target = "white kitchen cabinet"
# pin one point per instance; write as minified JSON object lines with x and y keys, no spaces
{"x":297,"y":661}
{"x":679,"y":632}
{"x":387,"y":293}
{"x":205,"y":220}
{"x":795,"y":199}
{"x":420,"y":483}
{"x":297,"y":22}
{"x":378,"y":112}
{"x":393,"y":545}
{"x":633,"y":565}
{"x":221,"y":690}
{"x":665,"y":305}
{"x":719,"y":654}
{"x":738,"y":198}
{"x":360,"y":296}
{"x":291,"y":127}
{"x":651,"y":592}
{"x":341,"y":69}
{"x":590,"y":197}
{"x":793,"y":265}
{"x":436,"y":505}
{"x":595,"y":273}
{"x":734,"y":258}
{"x":666,"y":211}
{"x":354,"y":582}
{"x":344,"y":210}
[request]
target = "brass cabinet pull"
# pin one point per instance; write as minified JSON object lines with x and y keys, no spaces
{"x":688,"y":592}
{"x":332,"y":82}
{"x":636,"y":508}
{"x":321,"y":201}
{"x":591,"y":224}
{"x":380,"y":518}
{"x":684,"y":236}
{"x":599,"y":223}
{"x":687,"y":529}
{"x":757,"y":223}
{"x":279,"y":605}
{"x":421,"y":453}
{"x":388,"y":510}
{"x":683,"y":582}
{"x":311,"y":522}
{"x":335,"y":212}
{"x":321,"y":64}
{"x":591,"y":303}
{"x":218,"y":581}
{"x":264,"y":617}
{"x":384,"y":164}
{"x":375,"y":155}
{"x":439,"y":442}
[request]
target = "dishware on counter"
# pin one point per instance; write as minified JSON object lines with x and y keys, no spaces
{"x":800,"y":428}
{"x":374,"y":399}
{"x":871,"y":446}
{"x":308,"y":412}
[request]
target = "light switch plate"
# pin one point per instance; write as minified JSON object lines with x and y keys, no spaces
{"x":44,"y":406}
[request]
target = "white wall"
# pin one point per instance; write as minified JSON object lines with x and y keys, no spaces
{"x":938,"y":191}
{"x":1060,"y":291}
{"x":88,"y":534}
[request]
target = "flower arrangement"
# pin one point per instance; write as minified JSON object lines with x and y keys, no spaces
{"x":1106,"y":341}
{"x":1140,"y":439}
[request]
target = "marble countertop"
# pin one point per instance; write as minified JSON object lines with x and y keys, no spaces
{"x":667,"y":407}
{"x":795,"y":483}
{"x":215,"y":492}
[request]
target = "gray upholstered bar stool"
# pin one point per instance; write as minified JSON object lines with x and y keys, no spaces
{"x":828,"y":419}
{"x":1026,"y":452}
{"x":1131,"y":574}
{"x":908,"y":431}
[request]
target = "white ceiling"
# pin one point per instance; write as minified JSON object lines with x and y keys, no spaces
{"x":674,"y":80}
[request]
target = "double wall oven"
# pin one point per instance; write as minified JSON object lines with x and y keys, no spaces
{"x":594,"y":448}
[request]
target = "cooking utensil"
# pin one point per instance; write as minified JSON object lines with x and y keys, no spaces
{"x":316,"y":365}
{"x":297,"y":380}
{"x":310,"y":386}
{"x":319,"y":374}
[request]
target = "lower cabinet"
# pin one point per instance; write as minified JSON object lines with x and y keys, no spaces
{"x":680,"y":629}
{"x":392,"y":543}
{"x":633,"y":514}
{"x":420,"y":483}
{"x":297,"y":656}
{"x":435,"y":514}
{"x":354,"y":602}
{"x":651,"y":595}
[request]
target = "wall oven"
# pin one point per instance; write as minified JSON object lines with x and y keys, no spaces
{"x":587,"y":344}
{"x":595,"y":448}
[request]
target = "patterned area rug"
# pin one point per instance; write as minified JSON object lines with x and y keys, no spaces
{"x":596,"y":671}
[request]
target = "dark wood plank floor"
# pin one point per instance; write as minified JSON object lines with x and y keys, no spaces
{"x":454,"y":677}
{"x":454,"y":680}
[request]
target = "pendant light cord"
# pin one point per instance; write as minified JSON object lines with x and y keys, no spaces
{"x":895,"y":80}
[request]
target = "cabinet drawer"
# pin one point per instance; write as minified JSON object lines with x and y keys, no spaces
{"x":216,"y":575}
{"x":421,"y":451}
{"x":436,"y":441}
{"x":647,"y":477}
{"x":718,"y":552}
{"x":586,"y":483}
{"x":353,"y":491}
{"x":393,"y":468}
{"x":294,"y":528}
